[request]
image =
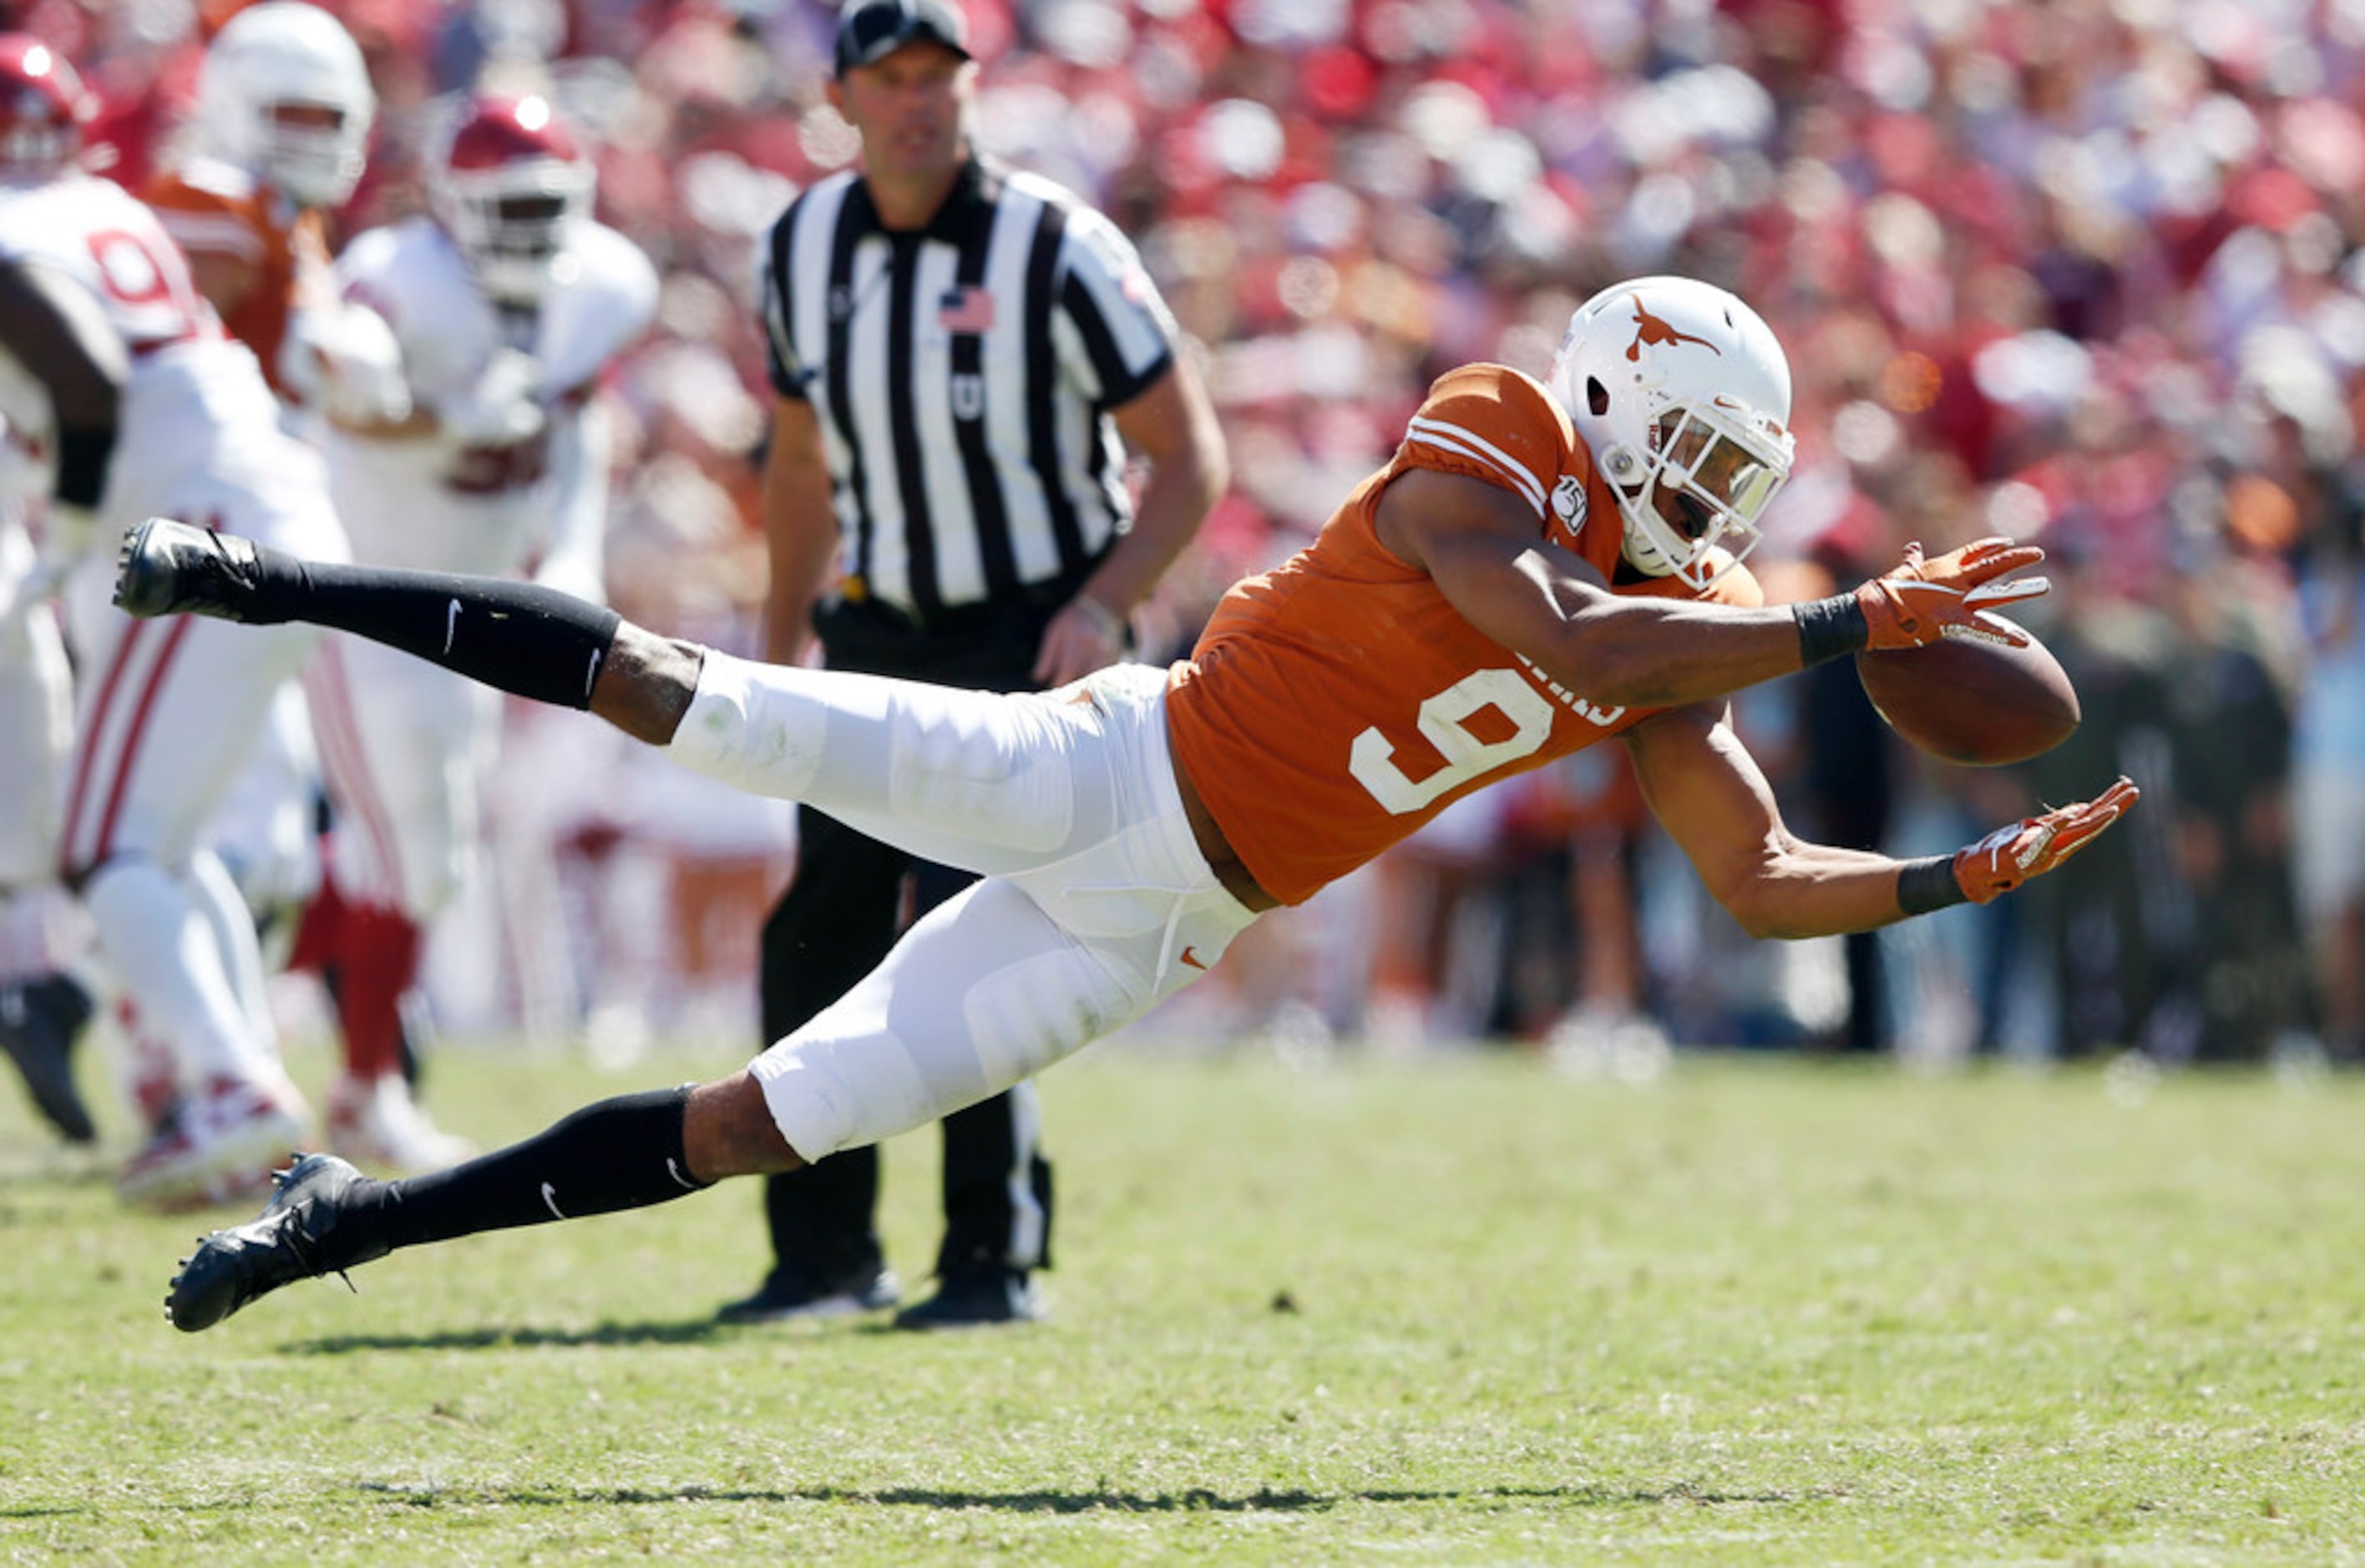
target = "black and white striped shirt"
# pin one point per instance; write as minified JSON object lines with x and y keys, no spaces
{"x":963,"y":376}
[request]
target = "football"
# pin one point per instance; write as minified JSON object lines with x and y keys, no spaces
{"x":1973,"y":703}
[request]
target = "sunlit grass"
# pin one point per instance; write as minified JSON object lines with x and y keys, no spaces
{"x":1458,"y":1309}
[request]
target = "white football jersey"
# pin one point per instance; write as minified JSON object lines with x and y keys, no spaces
{"x":438,"y":502}
{"x":106,"y":239}
{"x":197,"y":434}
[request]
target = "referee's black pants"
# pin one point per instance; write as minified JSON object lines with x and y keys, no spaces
{"x":844,"y":908}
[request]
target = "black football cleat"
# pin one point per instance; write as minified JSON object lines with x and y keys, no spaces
{"x":168,"y":567}
{"x":41,"y":1019}
{"x":788,"y":1295}
{"x":979,"y":1296}
{"x":292,"y":1239}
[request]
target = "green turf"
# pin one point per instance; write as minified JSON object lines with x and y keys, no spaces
{"x":1458,"y":1310}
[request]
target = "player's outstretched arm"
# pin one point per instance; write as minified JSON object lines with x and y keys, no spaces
{"x":526,"y":640}
{"x":1708,"y":794}
{"x":1715,"y":802}
{"x":1477,"y":542}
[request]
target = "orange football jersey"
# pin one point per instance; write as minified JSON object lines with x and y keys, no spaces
{"x":212,"y":209}
{"x":1334,"y":704}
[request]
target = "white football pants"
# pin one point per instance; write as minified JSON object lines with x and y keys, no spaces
{"x":36,"y":728}
{"x":167,"y":714}
{"x":1096,"y":904}
{"x":36,"y":719}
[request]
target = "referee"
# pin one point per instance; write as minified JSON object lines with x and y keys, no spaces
{"x":958,"y":349}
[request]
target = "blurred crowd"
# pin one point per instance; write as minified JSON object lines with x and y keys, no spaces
{"x":2087,"y":272}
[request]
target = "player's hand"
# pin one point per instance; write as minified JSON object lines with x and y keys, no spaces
{"x":503,"y":408}
{"x":1085,"y":635}
{"x":345,"y":361}
{"x":1922,"y":601}
{"x":2034,"y":845}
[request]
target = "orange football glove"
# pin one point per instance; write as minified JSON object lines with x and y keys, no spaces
{"x":2034,"y":845}
{"x":1922,"y":601}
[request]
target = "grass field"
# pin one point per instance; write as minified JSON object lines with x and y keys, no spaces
{"x":1454,"y":1310}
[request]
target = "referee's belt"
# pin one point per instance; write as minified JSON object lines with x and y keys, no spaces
{"x":1034,"y":603}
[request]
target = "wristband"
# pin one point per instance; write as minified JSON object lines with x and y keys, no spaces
{"x":1829,"y":628}
{"x":1928,"y":885}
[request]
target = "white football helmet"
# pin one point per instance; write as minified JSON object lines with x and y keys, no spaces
{"x":509,"y":183}
{"x":284,"y":95}
{"x":1683,"y":396}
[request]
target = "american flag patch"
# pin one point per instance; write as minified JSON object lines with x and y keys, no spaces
{"x":968,"y":310}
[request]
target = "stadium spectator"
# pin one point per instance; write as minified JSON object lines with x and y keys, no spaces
{"x":2329,"y":803}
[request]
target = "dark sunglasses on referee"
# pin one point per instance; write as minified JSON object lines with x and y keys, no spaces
{"x":871,"y":30}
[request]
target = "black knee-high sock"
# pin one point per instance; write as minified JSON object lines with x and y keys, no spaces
{"x":535,"y":642}
{"x":624,"y":1153}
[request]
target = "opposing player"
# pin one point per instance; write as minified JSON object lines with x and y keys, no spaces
{"x":43,"y":1007}
{"x":278,"y":142}
{"x":154,"y":410}
{"x":280,"y":138}
{"x":1536,"y":569}
{"x":507,"y":302}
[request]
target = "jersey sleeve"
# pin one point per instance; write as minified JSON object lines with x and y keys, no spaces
{"x":1123,"y":331}
{"x":791,"y":376}
{"x":206,"y":223}
{"x":1490,"y":422}
{"x":608,"y":309}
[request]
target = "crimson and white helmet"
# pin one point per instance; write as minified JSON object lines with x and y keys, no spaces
{"x":284,"y":96}
{"x":509,"y":184}
{"x":1680,"y":390}
{"x":44,"y":111}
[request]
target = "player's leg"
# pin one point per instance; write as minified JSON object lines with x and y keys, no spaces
{"x":533,"y":641}
{"x":629,"y":1151}
{"x":986,"y":991}
{"x":991,"y":783}
{"x":168,"y":711}
{"x":1008,"y":991}
{"x":402,"y":745}
{"x":972,"y":779}
{"x":42,"y":1009}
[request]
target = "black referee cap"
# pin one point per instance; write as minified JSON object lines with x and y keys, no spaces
{"x":871,"y":30}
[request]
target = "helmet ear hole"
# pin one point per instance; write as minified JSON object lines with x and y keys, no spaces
{"x":1597,"y":396}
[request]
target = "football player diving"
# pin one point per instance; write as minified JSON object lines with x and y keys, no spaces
{"x":1540,"y":566}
